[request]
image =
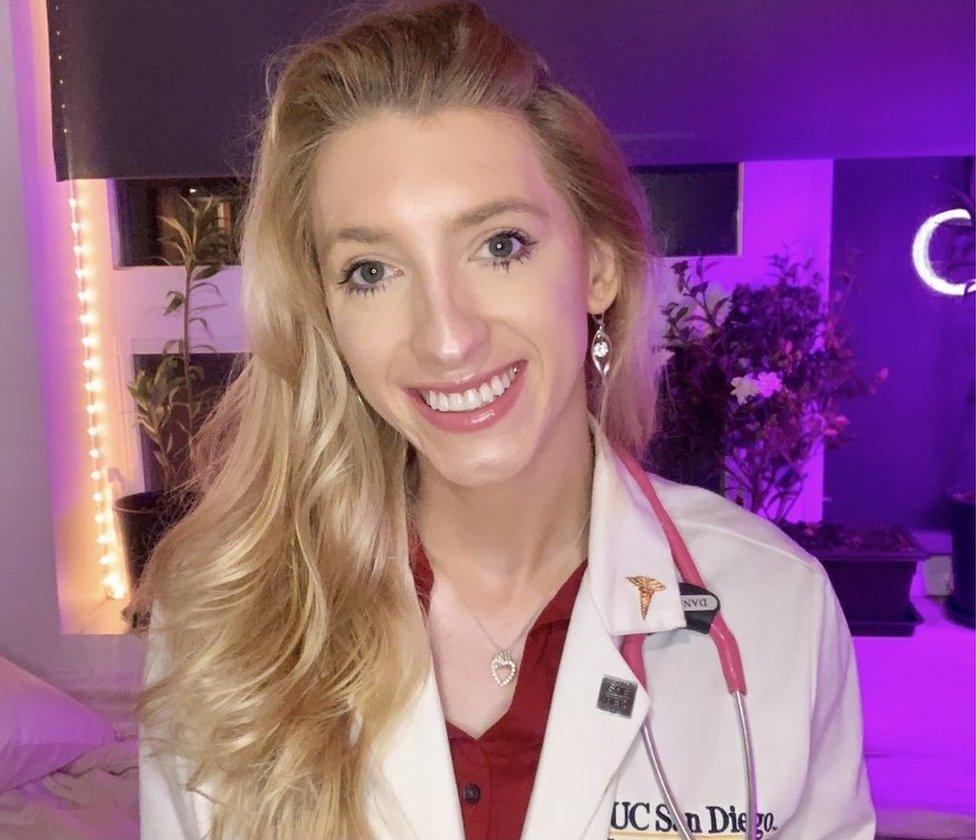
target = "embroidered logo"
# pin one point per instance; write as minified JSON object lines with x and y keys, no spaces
{"x":638,"y":818}
{"x":647,"y":586}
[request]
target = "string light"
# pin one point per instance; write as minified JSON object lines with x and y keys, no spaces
{"x":113,"y":578}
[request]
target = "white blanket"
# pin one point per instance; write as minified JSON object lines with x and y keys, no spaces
{"x":96,"y":797}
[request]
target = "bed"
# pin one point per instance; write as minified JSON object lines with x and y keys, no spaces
{"x":67,"y":770}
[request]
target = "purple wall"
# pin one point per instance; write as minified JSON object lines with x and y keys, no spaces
{"x":916,"y":434}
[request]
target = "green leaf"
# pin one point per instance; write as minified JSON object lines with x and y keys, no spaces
{"x":176,"y":301}
{"x":158,"y":393}
{"x":208,"y":271}
{"x":214,"y":286}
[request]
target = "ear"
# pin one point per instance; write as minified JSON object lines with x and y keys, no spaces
{"x":604,"y":278}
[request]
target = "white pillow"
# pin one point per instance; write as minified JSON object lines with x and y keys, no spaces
{"x":42,"y":729}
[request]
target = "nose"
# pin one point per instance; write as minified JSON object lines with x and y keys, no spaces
{"x":450,"y":331}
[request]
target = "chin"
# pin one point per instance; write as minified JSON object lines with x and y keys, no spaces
{"x":481,"y":464}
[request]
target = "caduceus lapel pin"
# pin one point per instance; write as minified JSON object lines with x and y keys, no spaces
{"x":647,"y":586}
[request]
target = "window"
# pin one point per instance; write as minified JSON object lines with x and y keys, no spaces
{"x":694,"y":208}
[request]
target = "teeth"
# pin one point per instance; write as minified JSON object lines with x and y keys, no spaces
{"x":472,"y":398}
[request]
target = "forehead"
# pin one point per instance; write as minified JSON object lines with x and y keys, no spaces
{"x":396,"y":167}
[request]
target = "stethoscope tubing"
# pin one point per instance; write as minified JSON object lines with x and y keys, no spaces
{"x":728,"y":653}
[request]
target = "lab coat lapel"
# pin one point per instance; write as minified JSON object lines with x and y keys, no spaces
{"x":627,"y":540}
{"x":418,"y":766}
{"x":584,"y":746}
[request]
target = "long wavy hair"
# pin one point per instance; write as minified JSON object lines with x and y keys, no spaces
{"x":293,"y":633}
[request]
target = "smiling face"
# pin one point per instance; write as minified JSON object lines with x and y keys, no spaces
{"x":448,"y":258}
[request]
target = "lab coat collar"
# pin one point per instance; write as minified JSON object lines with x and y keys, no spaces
{"x":584,"y":746}
{"x":626,"y":539}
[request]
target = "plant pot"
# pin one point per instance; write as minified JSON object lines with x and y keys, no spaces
{"x":959,"y":606}
{"x":871,"y":571}
{"x":141,"y":523}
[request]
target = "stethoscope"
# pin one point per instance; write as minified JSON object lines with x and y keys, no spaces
{"x":728,"y":654}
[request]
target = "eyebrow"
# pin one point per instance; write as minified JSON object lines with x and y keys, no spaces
{"x":466,"y":219}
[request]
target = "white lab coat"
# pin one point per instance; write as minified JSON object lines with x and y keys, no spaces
{"x":594,"y":779}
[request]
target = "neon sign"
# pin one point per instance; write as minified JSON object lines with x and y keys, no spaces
{"x":923,"y":264}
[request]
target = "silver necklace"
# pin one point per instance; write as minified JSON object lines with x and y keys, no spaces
{"x":503,"y":665}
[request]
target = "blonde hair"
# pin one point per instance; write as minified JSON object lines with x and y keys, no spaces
{"x":289,"y":610}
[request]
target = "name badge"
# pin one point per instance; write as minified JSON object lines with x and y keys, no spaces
{"x":700,"y":606}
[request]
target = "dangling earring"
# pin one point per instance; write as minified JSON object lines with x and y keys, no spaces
{"x":601,"y":347}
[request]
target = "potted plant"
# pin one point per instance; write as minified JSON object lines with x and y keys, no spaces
{"x":871,"y":570}
{"x":198,"y":241}
{"x":752,"y":385}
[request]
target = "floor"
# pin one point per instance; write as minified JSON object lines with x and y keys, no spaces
{"x":919,"y":699}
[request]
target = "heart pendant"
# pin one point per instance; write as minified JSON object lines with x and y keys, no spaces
{"x":503,"y":660}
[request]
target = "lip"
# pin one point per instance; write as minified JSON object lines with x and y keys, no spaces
{"x":478,"y":418}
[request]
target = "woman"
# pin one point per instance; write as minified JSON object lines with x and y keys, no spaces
{"x":396,"y":609}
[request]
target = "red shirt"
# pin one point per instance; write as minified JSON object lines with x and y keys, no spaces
{"x":495,"y":773}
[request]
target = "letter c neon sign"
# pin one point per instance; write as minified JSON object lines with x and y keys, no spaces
{"x":920,"y":255}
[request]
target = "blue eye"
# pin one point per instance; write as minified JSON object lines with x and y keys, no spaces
{"x":506,"y":256}
{"x":505,"y":260}
{"x":501,"y":256}
{"x":374,"y":273}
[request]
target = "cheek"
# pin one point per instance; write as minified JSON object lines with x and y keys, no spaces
{"x":559,"y":316}
{"x":363,"y":351}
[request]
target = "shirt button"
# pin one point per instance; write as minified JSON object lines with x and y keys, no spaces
{"x":471,"y":793}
